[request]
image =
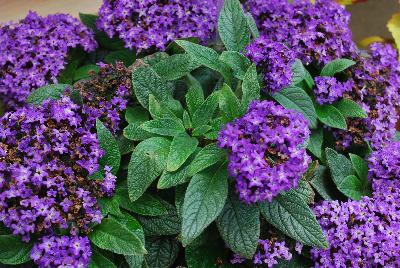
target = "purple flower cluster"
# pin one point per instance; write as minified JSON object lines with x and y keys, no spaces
{"x":385,"y":163}
{"x":146,"y":24}
{"x":63,"y":251}
{"x":269,"y":252}
{"x":46,"y":156}
{"x":266,"y":153}
{"x":34,"y":51}
{"x":329,"y":89}
{"x":106,"y":94}
{"x":316,"y":32}
{"x":274,"y":60}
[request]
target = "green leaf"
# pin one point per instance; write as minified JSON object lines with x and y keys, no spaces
{"x":349,"y":108}
{"x":360,"y":166}
{"x":175,"y":66}
{"x":163,"y":252}
{"x":290,"y":214}
{"x":205,"y":111}
{"x":331,"y":116}
{"x":336,"y":66}
{"x":250,"y":87}
{"x":180,"y":191}
{"x":239,"y":226}
{"x":159,"y":110}
{"x":315,"y":142}
{"x":229,"y":103}
{"x":147,"y":162}
{"x":136,"y":261}
{"x":206,"y":255}
{"x":296,"y":261}
{"x":187,"y":122}
{"x":232,"y":26}
{"x":135,"y":132}
{"x":352,"y":187}
{"x":295,"y":98}
{"x":98,"y":260}
{"x":339,"y":166}
{"x":204,"y":200}
{"x":164,"y":127}
{"x":89,"y":20}
{"x":207,"y":157}
{"x":299,"y":72}
{"x":237,"y":61}
{"x":182,"y":147}
{"x":109,"y":206}
{"x":201,"y":130}
{"x":136,"y":115}
{"x":83,"y":72}
{"x":207,"y":57}
{"x":252,"y":26}
{"x":109,"y":144}
{"x":41,"y":94}
{"x":113,"y":236}
{"x":13,"y":251}
{"x":125,"y":146}
{"x":305,"y":191}
{"x":323,"y":183}
{"x":128,"y":57}
{"x":194,"y":96}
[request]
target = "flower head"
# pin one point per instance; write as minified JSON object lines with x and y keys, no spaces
{"x":385,"y":163}
{"x":329,"y":89}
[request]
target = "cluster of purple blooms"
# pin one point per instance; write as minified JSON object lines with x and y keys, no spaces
{"x":266,"y":152}
{"x":316,"y":32}
{"x":149,"y":24}
{"x":329,"y":89}
{"x":385,"y":163}
{"x":62,"y":251}
{"x":33,"y":52}
{"x":274,"y":60}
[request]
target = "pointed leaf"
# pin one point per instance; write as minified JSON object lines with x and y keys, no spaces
{"x":229,"y":103}
{"x":331,"y":116}
{"x":207,"y":157}
{"x":349,"y":108}
{"x":250,"y":87}
{"x":237,"y":61}
{"x":109,"y":144}
{"x":182,"y":147}
{"x":336,"y":66}
{"x":339,"y":166}
{"x":163,"y":252}
{"x":13,"y":251}
{"x":175,"y":66}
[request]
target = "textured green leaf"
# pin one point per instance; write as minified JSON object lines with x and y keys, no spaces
{"x":331,"y":116}
{"x":237,"y":61}
{"x":305,"y":191}
{"x":336,"y":66}
{"x":295,"y":98}
{"x":147,"y":162}
{"x":239,"y":226}
{"x":229,"y":104}
{"x":349,"y":108}
{"x":360,"y":166}
{"x":41,"y":94}
{"x":136,"y":115}
{"x":252,"y":26}
{"x":290,"y":214}
{"x":201,"y":130}
{"x":89,"y":20}
{"x":232,"y":26}
{"x":113,"y":236}
{"x":164,"y":127}
{"x":194,"y":96}
{"x":250,"y":87}
{"x":98,"y":260}
{"x":175,"y":66}
{"x":204,"y":200}
{"x":182,"y":147}
{"x":299,"y":72}
{"x":135,"y":132}
{"x":352,"y":187}
{"x":323,"y":183}
{"x":205,"y":111}
{"x":109,"y":144}
{"x":339,"y":166}
{"x":180,"y":191}
{"x":128,"y":57}
{"x":109,"y":206}
{"x":207,"y":57}
{"x":136,"y":261}
{"x":315,"y":142}
{"x":83,"y":72}
{"x":159,"y":110}
{"x":163,"y":252}
{"x":13,"y":251}
{"x":206,"y":255}
{"x":207,"y":157}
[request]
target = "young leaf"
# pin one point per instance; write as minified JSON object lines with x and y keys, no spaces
{"x":360,"y":166}
{"x":315,"y":142}
{"x":205,"y":111}
{"x":175,"y":66}
{"x":194,"y":96}
{"x":204,"y":200}
{"x":331,"y":116}
{"x":163,"y":252}
{"x":207,"y":57}
{"x":299,"y":72}
{"x":349,"y":108}
{"x":339,"y":166}
{"x":164,"y":127}
{"x":239,"y":226}
{"x":237,"y":61}
{"x":352,"y":187}
{"x":98,"y":260}
{"x":336,"y":66}
{"x":159,"y":110}
{"x":113,"y":236}
{"x":147,"y":162}
{"x":83,"y":72}
{"x":13,"y":251}
{"x":182,"y":147}
{"x":109,"y":144}
{"x":295,"y":98}
{"x":250,"y":86}
{"x":252,"y":26}
{"x":207,"y":157}
{"x":229,"y":103}
{"x":290,"y":214}
{"x":41,"y":94}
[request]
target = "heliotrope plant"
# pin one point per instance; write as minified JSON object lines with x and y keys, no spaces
{"x":272,"y":145}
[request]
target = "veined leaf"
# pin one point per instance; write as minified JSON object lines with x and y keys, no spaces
{"x":109,"y":144}
{"x":315,"y":142}
{"x":331,"y":116}
{"x":13,"y":250}
{"x":339,"y":166}
{"x":164,"y":126}
{"x":163,"y":252}
{"x":250,"y":86}
{"x":299,"y":72}
{"x":182,"y":147}
{"x":98,"y":260}
{"x":175,"y":66}
{"x":207,"y":157}
{"x":349,"y":108}
{"x":336,"y":66}
{"x":41,"y":94}
{"x":205,"y":111}
{"x":229,"y":103}
{"x":237,"y":61}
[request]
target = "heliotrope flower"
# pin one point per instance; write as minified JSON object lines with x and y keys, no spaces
{"x":266,"y":152}
{"x":62,"y":251}
{"x":106,"y":94}
{"x":274,"y":61}
{"x":34,"y":50}
{"x":47,"y":154}
{"x":146,"y":24}
{"x":316,"y":32}
{"x":385,"y":163}
{"x":329,"y":89}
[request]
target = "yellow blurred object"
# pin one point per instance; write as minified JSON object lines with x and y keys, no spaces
{"x":349,"y":2}
{"x":369,"y":40}
{"x":394,"y":27}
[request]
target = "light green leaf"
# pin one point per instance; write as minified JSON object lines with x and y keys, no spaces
{"x":336,"y":66}
{"x":315,"y":142}
{"x":291,"y":215}
{"x":13,"y":251}
{"x":135,"y":132}
{"x":147,"y":162}
{"x":237,"y":61}
{"x":229,"y":104}
{"x":175,"y":66}
{"x":252,"y":26}
{"x":207,"y":157}
{"x":159,"y":110}
{"x":164,"y":126}
{"x":295,"y":98}
{"x":41,"y":94}
{"x":205,"y":111}
{"x":299,"y":72}
{"x":109,"y":144}
{"x":182,"y":147}
{"x":201,"y":130}
{"x":339,"y":166}
{"x":204,"y":200}
{"x":331,"y":116}
{"x":194,"y":96}
{"x":360,"y":166}
{"x":98,"y":260}
{"x":163,"y":252}
{"x":109,"y":206}
{"x":187,"y":122}
{"x":250,"y":86}
{"x":323,"y":183}
{"x":239,"y":226}
{"x":352,"y":187}
{"x":349,"y":108}
{"x":136,"y":115}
